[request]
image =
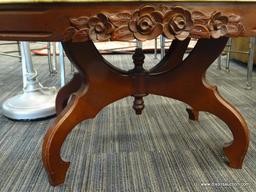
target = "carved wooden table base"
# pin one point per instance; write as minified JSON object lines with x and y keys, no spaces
{"x":173,"y":77}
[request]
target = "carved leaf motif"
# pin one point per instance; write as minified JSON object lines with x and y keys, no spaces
{"x":120,"y":19}
{"x":197,"y":15}
{"x":80,"y":22}
{"x":69,"y":33}
{"x":234,"y":27}
{"x":200,"y":31}
{"x":199,"y":18}
{"x":234,"y":18}
{"x":122,"y":34}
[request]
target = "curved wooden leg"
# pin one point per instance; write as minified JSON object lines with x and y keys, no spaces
{"x":235,"y":151}
{"x":216,"y":105}
{"x":66,"y":91}
{"x":192,"y":114}
{"x":65,"y":122}
{"x":96,"y":82}
{"x":187,"y":83}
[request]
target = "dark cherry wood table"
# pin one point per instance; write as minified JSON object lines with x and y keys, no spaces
{"x":98,"y":83}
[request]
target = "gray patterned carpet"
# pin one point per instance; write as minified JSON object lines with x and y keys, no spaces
{"x":159,"y":151}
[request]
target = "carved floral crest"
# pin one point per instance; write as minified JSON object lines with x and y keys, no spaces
{"x":149,"y":22}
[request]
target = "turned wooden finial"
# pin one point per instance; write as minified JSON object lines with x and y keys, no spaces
{"x":138,"y":104}
{"x":138,"y":60}
{"x":138,"y":71}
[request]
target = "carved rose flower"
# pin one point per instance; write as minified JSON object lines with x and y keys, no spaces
{"x":217,"y":25}
{"x":100,"y":28}
{"x":146,"y":23}
{"x":177,"y":23}
{"x":96,"y":28}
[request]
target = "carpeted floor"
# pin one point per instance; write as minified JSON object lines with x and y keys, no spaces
{"x":159,"y":151}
